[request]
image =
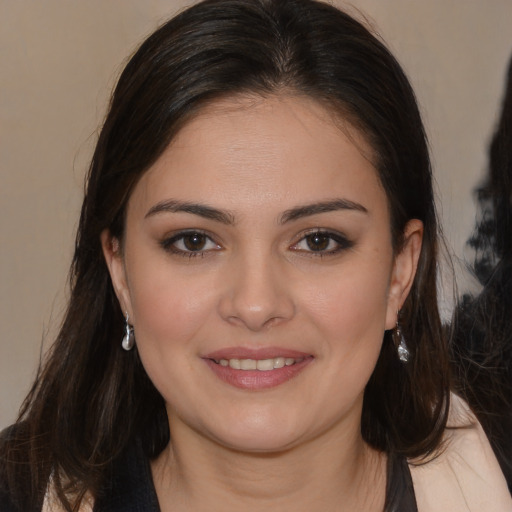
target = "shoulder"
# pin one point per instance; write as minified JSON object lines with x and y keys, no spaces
{"x":129,"y":486}
{"x":465,"y":476}
{"x":53,"y":504}
{"x":6,"y":504}
{"x":15,"y":476}
{"x":6,"y":495}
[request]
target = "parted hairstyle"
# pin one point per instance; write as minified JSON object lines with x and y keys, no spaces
{"x":91,"y":399}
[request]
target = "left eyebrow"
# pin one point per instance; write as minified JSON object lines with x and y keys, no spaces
{"x":322,"y":207}
{"x":202,"y":210}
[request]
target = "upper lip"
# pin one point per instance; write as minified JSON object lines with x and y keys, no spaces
{"x":255,"y":353}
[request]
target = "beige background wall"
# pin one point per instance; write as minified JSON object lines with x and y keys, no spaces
{"x":58,"y":62}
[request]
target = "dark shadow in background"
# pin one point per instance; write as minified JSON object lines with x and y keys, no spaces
{"x":482,"y":341}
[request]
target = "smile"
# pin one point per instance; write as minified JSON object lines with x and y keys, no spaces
{"x":263,"y":365}
{"x":255,"y":370}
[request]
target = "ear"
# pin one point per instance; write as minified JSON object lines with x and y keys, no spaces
{"x":404,"y":270}
{"x":115,"y":262}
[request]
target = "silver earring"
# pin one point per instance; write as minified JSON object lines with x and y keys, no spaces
{"x":401,"y":346}
{"x":129,"y":337}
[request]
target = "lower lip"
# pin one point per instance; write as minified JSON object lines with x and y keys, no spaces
{"x":255,"y":380}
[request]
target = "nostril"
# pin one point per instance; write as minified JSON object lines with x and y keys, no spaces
{"x":255,"y":296}
{"x":256,"y":317}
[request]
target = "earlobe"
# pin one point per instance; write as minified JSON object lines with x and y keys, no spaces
{"x":404,"y":270}
{"x":115,"y":263}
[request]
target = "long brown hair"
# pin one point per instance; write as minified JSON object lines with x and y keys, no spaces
{"x":90,"y":398}
{"x":482,"y":325}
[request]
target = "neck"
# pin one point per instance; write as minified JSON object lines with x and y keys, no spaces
{"x":331,"y":473}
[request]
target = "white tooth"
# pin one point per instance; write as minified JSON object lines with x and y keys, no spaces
{"x":265,"y":364}
{"x":235,"y":364}
{"x":247,"y":364}
{"x":261,"y":364}
{"x":278,"y":362}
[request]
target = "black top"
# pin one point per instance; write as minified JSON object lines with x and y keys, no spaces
{"x":400,"y":495}
{"x":131,"y":487}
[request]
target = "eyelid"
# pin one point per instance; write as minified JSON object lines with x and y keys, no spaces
{"x":168,"y":243}
{"x":342,"y":241}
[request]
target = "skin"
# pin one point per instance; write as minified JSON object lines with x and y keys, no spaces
{"x":259,"y":281}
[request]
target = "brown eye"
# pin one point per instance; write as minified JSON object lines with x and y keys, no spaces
{"x":190,"y":243}
{"x":318,"y":241}
{"x":194,"y":241}
{"x":322,"y":243}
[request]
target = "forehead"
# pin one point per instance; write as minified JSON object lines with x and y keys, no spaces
{"x":300,"y":115}
{"x":263,"y":151}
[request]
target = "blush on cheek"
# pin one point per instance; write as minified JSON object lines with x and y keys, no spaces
{"x":353,"y":307}
{"x":169,"y":307}
{"x":166,"y":323}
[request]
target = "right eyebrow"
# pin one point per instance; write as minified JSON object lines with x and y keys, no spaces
{"x":202,"y":210}
{"x":321,"y":207}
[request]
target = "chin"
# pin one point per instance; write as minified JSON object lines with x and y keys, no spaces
{"x":258,"y":444}
{"x":258,"y":434}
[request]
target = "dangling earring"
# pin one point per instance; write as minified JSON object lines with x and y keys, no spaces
{"x":129,"y":337}
{"x":399,"y":341}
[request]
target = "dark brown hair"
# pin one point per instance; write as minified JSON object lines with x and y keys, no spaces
{"x":90,"y":398}
{"x":482,"y":325}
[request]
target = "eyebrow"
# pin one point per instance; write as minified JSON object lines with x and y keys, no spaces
{"x":207,"y":212}
{"x":225,"y":217}
{"x":322,"y":207}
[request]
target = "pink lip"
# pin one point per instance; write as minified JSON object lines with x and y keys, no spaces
{"x":255,"y":380}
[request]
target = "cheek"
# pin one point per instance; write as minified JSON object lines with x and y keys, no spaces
{"x":351,"y":321}
{"x":351,"y":306}
{"x":349,"y":314}
{"x":168,"y":308}
{"x":169,"y":312}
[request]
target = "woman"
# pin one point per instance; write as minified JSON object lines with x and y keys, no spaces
{"x":259,"y":235}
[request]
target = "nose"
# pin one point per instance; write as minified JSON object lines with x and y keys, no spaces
{"x":256,"y":294}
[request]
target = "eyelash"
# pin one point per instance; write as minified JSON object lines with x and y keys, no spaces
{"x":170,"y":244}
{"x":342,"y":243}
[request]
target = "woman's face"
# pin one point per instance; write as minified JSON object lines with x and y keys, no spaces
{"x":257,"y":269}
